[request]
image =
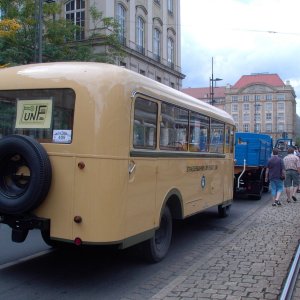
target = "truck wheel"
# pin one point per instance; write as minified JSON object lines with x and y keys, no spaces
{"x":259,"y":194}
{"x":25,"y":174}
{"x":224,"y":211}
{"x":157,"y":247}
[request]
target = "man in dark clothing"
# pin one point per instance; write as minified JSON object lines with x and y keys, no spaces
{"x":275,"y":173}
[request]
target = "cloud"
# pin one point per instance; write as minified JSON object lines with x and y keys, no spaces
{"x":243,"y":37}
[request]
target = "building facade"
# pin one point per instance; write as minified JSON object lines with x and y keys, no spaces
{"x":149,"y":32}
{"x":260,"y":103}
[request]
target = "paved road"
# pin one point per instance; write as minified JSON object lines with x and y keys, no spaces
{"x":11,"y":252}
{"x":252,"y":264}
{"x":245,"y":256}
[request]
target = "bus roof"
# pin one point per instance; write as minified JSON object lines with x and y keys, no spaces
{"x":90,"y":74}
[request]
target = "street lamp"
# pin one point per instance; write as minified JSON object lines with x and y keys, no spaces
{"x":256,"y":108}
{"x":212,"y":80}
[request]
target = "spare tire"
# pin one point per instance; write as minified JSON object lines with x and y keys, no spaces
{"x":25,"y":174}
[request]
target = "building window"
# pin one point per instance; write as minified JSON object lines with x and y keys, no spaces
{"x":156,"y":44}
{"x":157,"y":2}
{"x":235,"y":117}
{"x":268,"y":106}
{"x":269,"y":97}
{"x":246,"y":117}
{"x":234,"y":108}
{"x":256,"y":97}
{"x":170,"y":7}
{"x":280,"y":106}
{"x":171,"y":52}
{"x":280,"y":97}
{"x":75,"y":13}
{"x":268,"y":127}
{"x":280,"y":117}
{"x":257,"y":128}
{"x":257,"y":107}
{"x":121,"y":17}
{"x":142,"y":72}
{"x":234,"y":98}
{"x":268,"y":116}
{"x":246,"y":98}
{"x":140,"y":35}
{"x":246,"y":106}
{"x":280,"y":127}
{"x":257,"y":117}
{"x":246,"y":127}
{"x":158,"y":78}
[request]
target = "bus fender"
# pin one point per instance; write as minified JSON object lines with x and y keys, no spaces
{"x":25,"y":174}
{"x":173,"y":200}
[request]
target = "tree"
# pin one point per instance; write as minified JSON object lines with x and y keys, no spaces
{"x":18,"y":35}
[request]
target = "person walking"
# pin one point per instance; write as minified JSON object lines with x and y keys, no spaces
{"x":292,"y":167}
{"x":275,"y":173}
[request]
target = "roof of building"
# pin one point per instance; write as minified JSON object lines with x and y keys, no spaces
{"x":268,"y":79}
{"x":204,"y":93}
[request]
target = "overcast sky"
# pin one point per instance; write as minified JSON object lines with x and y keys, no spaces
{"x":243,"y":37}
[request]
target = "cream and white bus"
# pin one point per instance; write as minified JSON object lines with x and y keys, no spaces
{"x":93,"y":153}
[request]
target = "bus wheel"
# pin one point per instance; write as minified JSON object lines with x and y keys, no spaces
{"x":25,"y":174}
{"x":157,"y":247}
{"x":223,"y":211}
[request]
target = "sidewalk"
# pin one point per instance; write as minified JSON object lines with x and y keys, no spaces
{"x":251,"y":264}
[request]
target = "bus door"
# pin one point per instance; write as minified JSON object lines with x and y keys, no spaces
{"x":142,"y":168}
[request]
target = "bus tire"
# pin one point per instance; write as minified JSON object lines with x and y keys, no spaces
{"x":223,"y":211}
{"x":25,"y":174}
{"x":157,"y":247}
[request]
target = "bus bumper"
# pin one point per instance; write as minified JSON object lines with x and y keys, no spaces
{"x":21,"y":224}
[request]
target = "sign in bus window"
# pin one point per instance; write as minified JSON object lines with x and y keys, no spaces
{"x":34,"y":113}
{"x":173,"y":128}
{"x":144,"y":127}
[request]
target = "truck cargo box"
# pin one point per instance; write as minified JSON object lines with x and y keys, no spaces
{"x":255,"y":148}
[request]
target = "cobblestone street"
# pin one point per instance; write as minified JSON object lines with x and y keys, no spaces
{"x":251,"y":264}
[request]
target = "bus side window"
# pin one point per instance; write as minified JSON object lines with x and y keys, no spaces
{"x":173,"y":128}
{"x":198,"y":133}
{"x":216,"y":136}
{"x":144,"y":127}
{"x":229,"y":139}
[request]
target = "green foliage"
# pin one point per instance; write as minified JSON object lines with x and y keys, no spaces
{"x":20,"y":46}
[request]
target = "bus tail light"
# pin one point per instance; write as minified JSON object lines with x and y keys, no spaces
{"x":78,"y":241}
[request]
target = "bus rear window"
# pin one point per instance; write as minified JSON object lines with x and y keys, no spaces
{"x":44,"y":114}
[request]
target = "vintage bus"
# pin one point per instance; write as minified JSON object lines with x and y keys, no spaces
{"x":93,"y":153}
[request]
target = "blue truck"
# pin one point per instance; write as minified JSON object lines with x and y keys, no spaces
{"x":252,"y":152}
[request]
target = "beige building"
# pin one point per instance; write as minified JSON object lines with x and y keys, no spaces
{"x":260,"y":103}
{"x":150,"y":34}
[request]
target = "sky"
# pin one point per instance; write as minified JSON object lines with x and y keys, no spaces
{"x":243,"y":37}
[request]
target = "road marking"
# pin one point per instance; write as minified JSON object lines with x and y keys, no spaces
{"x":24,"y":259}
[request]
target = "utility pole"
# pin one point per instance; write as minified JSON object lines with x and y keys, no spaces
{"x":212,"y":81}
{"x":40,"y":40}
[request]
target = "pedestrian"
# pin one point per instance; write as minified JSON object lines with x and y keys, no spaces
{"x":292,"y":167}
{"x":275,"y":174}
{"x":298,"y":154}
